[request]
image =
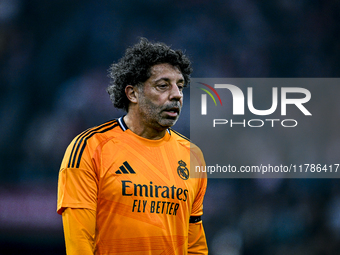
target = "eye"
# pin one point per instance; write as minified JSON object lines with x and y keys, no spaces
{"x":162,"y":86}
{"x":180,"y":86}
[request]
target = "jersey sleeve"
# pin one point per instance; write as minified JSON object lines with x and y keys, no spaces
{"x":197,"y":207}
{"x":197,"y":159}
{"x":79,"y":230}
{"x":197,"y":243}
{"x":77,"y":183}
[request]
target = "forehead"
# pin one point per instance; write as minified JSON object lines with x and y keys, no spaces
{"x":166,"y":70}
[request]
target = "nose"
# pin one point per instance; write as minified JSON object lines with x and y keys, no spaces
{"x":176,"y":92}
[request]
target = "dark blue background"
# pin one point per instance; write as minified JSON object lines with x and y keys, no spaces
{"x":54,"y":57}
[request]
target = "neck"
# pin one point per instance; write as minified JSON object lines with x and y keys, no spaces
{"x":137,"y":126}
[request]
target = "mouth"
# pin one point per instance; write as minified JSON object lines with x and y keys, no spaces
{"x":173,"y":112}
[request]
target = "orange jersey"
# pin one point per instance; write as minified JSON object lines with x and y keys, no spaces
{"x":140,"y":189}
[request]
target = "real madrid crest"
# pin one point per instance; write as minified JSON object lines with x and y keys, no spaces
{"x":182,"y":170}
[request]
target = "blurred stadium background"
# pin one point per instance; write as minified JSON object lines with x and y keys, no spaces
{"x":54,"y":57}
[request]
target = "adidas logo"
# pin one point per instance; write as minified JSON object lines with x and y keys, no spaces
{"x":125,"y":169}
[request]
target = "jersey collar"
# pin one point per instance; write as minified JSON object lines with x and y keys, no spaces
{"x":122,"y":124}
{"x":124,"y":127}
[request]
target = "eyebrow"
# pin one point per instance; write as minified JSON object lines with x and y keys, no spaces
{"x":167,"y":79}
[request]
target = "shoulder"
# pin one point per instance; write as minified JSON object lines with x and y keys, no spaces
{"x":98,"y":132}
{"x":196,"y":156}
{"x":183,"y":140}
{"x":89,"y":140}
{"x":179,"y":137}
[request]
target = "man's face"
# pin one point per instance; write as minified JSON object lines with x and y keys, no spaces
{"x":160,"y":98}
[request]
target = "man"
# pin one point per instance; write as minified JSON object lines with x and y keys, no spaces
{"x":124,"y":186}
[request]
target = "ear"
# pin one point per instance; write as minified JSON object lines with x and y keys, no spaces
{"x":131,"y":93}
